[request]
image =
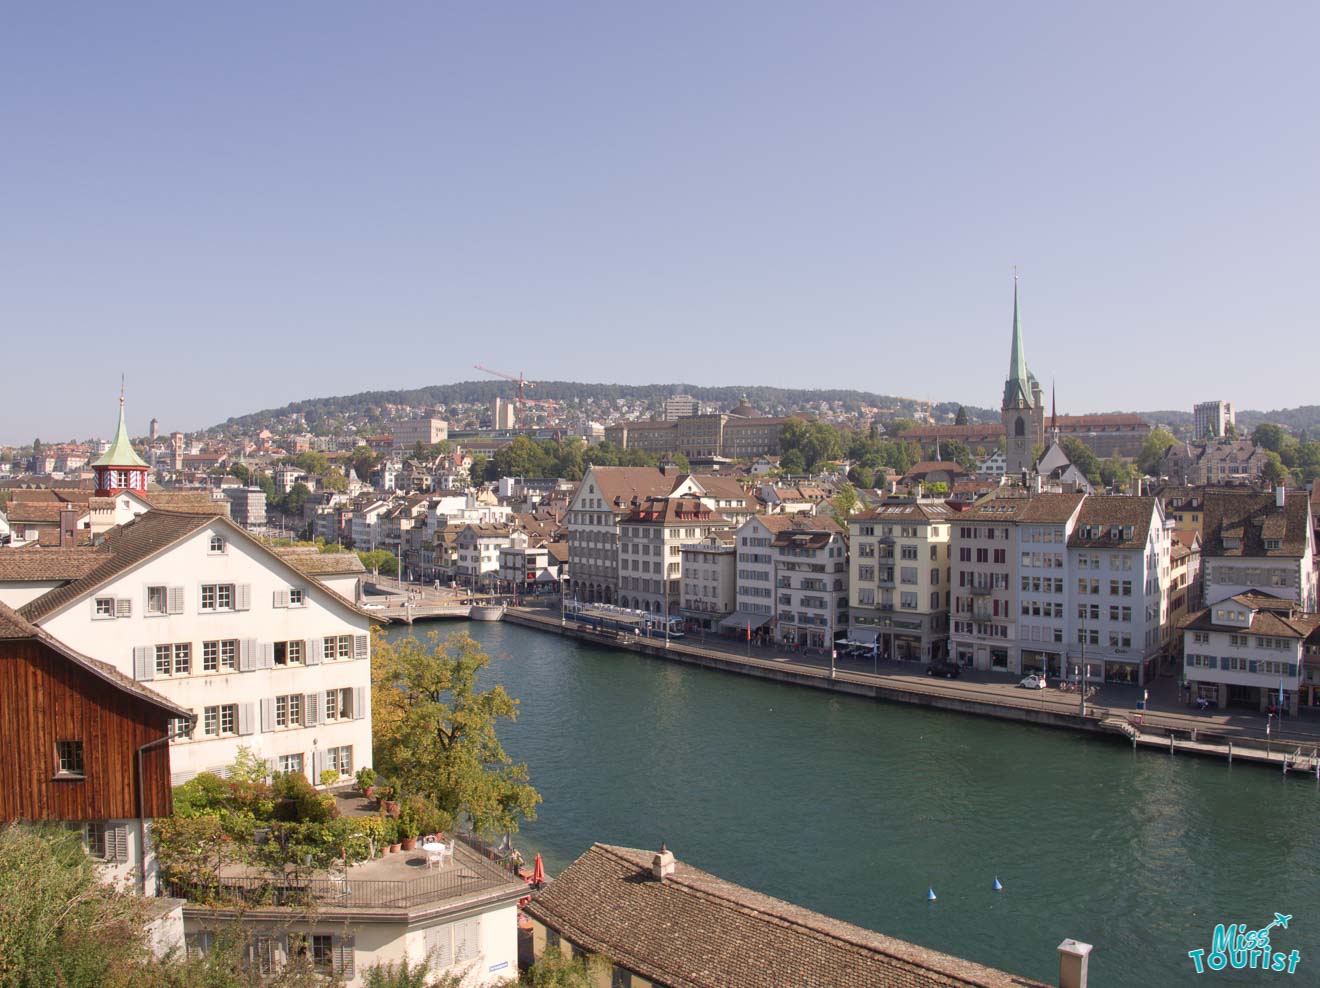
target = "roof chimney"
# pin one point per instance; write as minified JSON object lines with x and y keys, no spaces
{"x":68,"y":528}
{"x":1280,"y":496}
{"x":1073,"y":957}
{"x":662,"y":865}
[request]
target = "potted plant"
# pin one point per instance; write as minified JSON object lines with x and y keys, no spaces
{"x":391,"y":837}
{"x":366,"y":781}
{"x":410,"y":824}
{"x":329,"y":777}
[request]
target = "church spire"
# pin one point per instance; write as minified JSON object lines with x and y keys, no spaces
{"x":1017,"y":389}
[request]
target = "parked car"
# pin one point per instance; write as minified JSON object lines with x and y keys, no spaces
{"x":1033,"y":683}
{"x":943,"y":667}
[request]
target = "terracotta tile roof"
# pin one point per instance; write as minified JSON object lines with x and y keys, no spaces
{"x":186,"y":502}
{"x":1252,"y":518}
{"x":619,"y":485}
{"x":36,"y":563}
{"x":1274,"y":616}
{"x":695,"y":930}
{"x":935,"y":466}
{"x":895,"y":510}
{"x":1039,"y":509}
{"x":14,"y":627}
{"x":40,"y":512}
{"x":800,"y":522}
{"x":1086,"y":423}
{"x":1101,"y":512}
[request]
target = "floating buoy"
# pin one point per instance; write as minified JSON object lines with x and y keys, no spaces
{"x":930,"y":895}
{"x":997,"y":886}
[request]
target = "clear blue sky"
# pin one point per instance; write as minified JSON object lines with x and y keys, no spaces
{"x":244,"y":205}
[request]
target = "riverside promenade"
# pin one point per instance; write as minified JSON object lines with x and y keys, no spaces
{"x":1167,"y":725}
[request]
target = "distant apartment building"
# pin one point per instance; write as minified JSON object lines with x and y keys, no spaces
{"x":742,"y":433}
{"x":428,"y":430}
{"x":503,"y":415}
{"x":899,"y":587}
{"x":710,"y":584}
{"x":247,"y":507}
{"x":651,"y":540}
{"x":1212,"y":419}
{"x":681,"y":406}
{"x":1263,"y":542}
{"x":1219,"y":461}
{"x":478,"y":547}
{"x":792,"y":575}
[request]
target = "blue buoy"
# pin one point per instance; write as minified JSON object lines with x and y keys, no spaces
{"x":930,"y":895}
{"x":997,"y":886}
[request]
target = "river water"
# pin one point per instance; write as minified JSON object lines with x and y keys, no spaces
{"x":854,"y":808}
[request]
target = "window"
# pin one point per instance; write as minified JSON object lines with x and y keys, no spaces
{"x":217,"y":596}
{"x":338,"y":647}
{"x":174,"y":660}
{"x":69,"y":758}
{"x":94,"y":839}
{"x":217,"y":544}
{"x":157,"y":600}
{"x":177,"y":726}
{"x":323,"y":953}
{"x":288,"y":710}
{"x":289,"y":653}
{"x":220,"y":720}
{"x":291,"y":764}
{"x":339,"y":704}
{"x":340,"y":759}
{"x":296,"y":598}
{"x":221,"y":655}
{"x":104,"y":607}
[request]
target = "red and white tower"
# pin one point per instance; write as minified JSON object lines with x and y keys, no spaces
{"x":119,"y":468}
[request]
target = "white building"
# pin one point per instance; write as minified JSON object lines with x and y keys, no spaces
{"x":267,"y":657}
{"x":710,"y":580}
{"x":993,"y":467}
{"x":1262,"y":542}
{"x":1212,"y":418}
{"x":478,"y":562}
{"x":427,"y":430}
{"x":651,"y":541}
{"x":792,"y":573}
{"x":1241,"y":651}
{"x":681,"y":406}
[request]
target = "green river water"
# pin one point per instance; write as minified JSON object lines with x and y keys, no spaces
{"x":854,"y":808}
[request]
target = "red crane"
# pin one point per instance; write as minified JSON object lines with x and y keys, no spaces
{"x":521,"y":381}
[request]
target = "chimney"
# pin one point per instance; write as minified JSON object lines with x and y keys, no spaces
{"x":662,"y":865}
{"x":1073,"y":958}
{"x":1280,"y":496}
{"x":68,"y":528}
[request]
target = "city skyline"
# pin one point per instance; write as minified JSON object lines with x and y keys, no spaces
{"x":322,"y":201}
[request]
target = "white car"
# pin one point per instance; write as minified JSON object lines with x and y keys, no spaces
{"x":1034,"y":683}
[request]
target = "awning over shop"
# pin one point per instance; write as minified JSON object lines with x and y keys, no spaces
{"x":743,"y":619}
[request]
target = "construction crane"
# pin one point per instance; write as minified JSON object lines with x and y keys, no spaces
{"x":522,"y":383}
{"x":549,"y":407}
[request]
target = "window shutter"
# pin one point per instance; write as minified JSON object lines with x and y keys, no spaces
{"x":124,"y":607}
{"x":245,"y":713}
{"x":243,"y":597}
{"x":268,"y":714}
{"x":281,"y":598}
{"x":344,"y":956}
{"x":361,"y":644}
{"x":438,"y":954}
{"x":175,"y":605}
{"x":312,"y":709}
{"x":318,"y":766}
{"x":144,"y":668}
{"x":116,"y":843}
{"x":272,"y":767}
{"x":359,"y":702}
{"x":467,"y":933}
{"x":312,"y":652}
{"x":267,"y":656}
{"x":247,"y":653}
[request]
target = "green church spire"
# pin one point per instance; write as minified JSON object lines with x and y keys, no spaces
{"x":121,"y":452}
{"x":1017,"y":389}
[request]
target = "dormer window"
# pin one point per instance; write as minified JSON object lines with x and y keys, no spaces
{"x":217,"y":545}
{"x":1273,"y":544}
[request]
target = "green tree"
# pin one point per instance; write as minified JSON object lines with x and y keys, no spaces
{"x":556,"y":970}
{"x":363,"y":461}
{"x":957,"y":451}
{"x":1271,"y":436}
{"x":478,"y":470}
{"x":434,"y":731}
{"x":1153,"y":448}
{"x":312,"y":462}
{"x":240,"y":471}
{"x":899,"y":426}
{"x":1082,"y":458}
{"x":862,"y":476}
{"x":844,"y":504}
{"x":381,"y":560}
{"x":961,"y":417}
{"x":296,"y":498}
{"x":792,"y":463}
{"x":1117,"y":473}
{"x":1274,"y":471}
{"x":335,"y":481}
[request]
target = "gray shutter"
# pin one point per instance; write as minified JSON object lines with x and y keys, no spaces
{"x":344,"y":956}
{"x":245,"y":717}
{"x":361,"y":644}
{"x":175,"y":598}
{"x":438,"y":954}
{"x":267,"y":660}
{"x":268,"y":713}
{"x":312,"y":709}
{"x":359,"y":702}
{"x":243,"y":597}
{"x":116,"y":843}
{"x":124,"y":607}
{"x":144,"y":667}
{"x":280,"y":598}
{"x":318,"y":766}
{"x":247,"y":653}
{"x":272,"y":767}
{"x":312,"y":652}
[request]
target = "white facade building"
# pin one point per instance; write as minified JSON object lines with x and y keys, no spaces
{"x":266,"y":657}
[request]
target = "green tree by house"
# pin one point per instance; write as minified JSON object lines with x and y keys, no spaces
{"x":1153,"y":448}
{"x":434,"y":731}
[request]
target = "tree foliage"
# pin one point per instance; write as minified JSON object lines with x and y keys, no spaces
{"x":1153,"y":448}
{"x":434,"y":731}
{"x":1082,"y":458}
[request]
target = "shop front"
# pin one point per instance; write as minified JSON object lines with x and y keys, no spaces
{"x":1035,"y":662}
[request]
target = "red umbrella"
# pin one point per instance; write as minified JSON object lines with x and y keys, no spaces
{"x":538,"y":872}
